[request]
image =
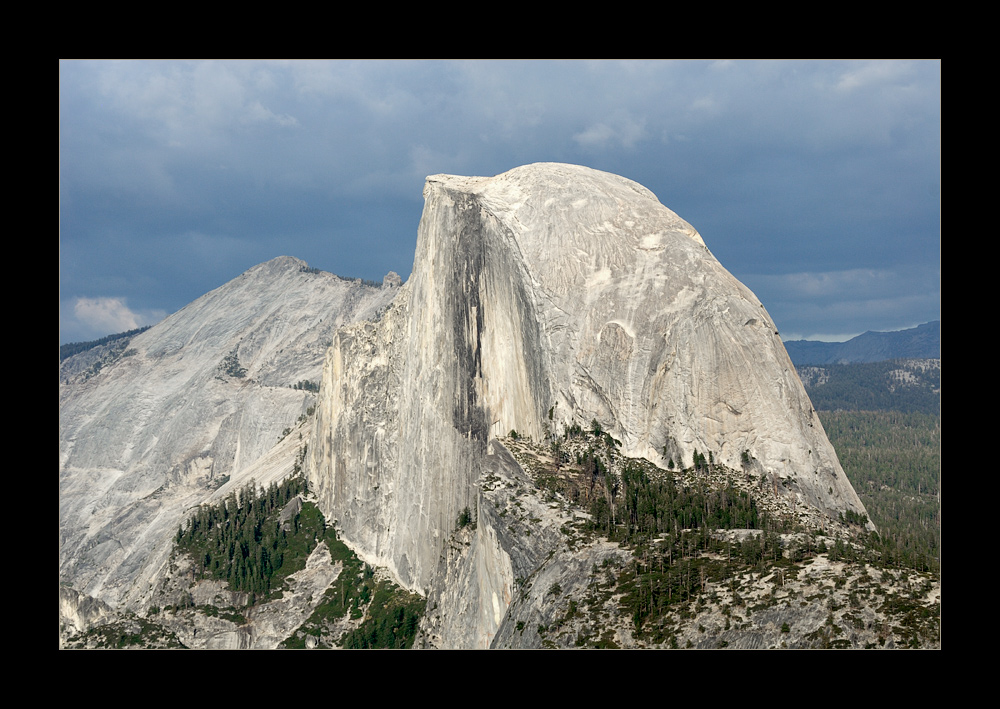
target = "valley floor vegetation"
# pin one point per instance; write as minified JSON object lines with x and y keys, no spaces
{"x":893,"y":460}
{"x":884,"y":420}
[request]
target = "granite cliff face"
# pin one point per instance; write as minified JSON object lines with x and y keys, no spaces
{"x":547,"y":296}
{"x":198,"y":400}
{"x":543,"y":298}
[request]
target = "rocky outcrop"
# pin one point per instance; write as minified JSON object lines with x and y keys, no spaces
{"x":193,"y":408}
{"x":548,"y":296}
{"x":494,"y":578}
{"x":78,"y":612}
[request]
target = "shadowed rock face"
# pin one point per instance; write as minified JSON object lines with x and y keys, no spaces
{"x":551,"y":287}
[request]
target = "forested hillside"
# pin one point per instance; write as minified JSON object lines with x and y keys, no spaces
{"x":884,"y":420}
{"x":71,"y":348}
{"x":250,"y":545}
{"x":910,"y":385}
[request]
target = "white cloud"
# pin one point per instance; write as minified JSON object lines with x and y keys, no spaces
{"x":705,"y":103}
{"x":105,"y":316}
{"x":257,"y":113}
{"x":874,"y":73}
{"x":620,"y":130}
{"x":856,"y":283}
{"x":820,"y":336}
{"x":596,"y":135}
{"x":189,"y":104}
{"x":109,"y":314}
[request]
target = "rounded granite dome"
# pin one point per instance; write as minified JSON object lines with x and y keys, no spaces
{"x":643,"y":328}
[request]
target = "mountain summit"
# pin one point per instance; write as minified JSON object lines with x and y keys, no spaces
{"x":195,"y":401}
{"x":544,"y":302}
{"x":546,"y":297}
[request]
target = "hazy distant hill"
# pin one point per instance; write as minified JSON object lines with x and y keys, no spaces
{"x":921,"y":342}
{"x":907,"y":385}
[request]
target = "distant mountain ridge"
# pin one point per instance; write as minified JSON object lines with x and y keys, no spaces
{"x":920,"y":342}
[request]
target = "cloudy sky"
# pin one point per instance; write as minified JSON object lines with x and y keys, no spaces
{"x":816,"y":183}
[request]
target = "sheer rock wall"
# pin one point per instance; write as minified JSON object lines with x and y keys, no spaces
{"x":546,"y":296}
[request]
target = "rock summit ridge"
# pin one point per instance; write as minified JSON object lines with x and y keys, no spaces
{"x":547,"y":296}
